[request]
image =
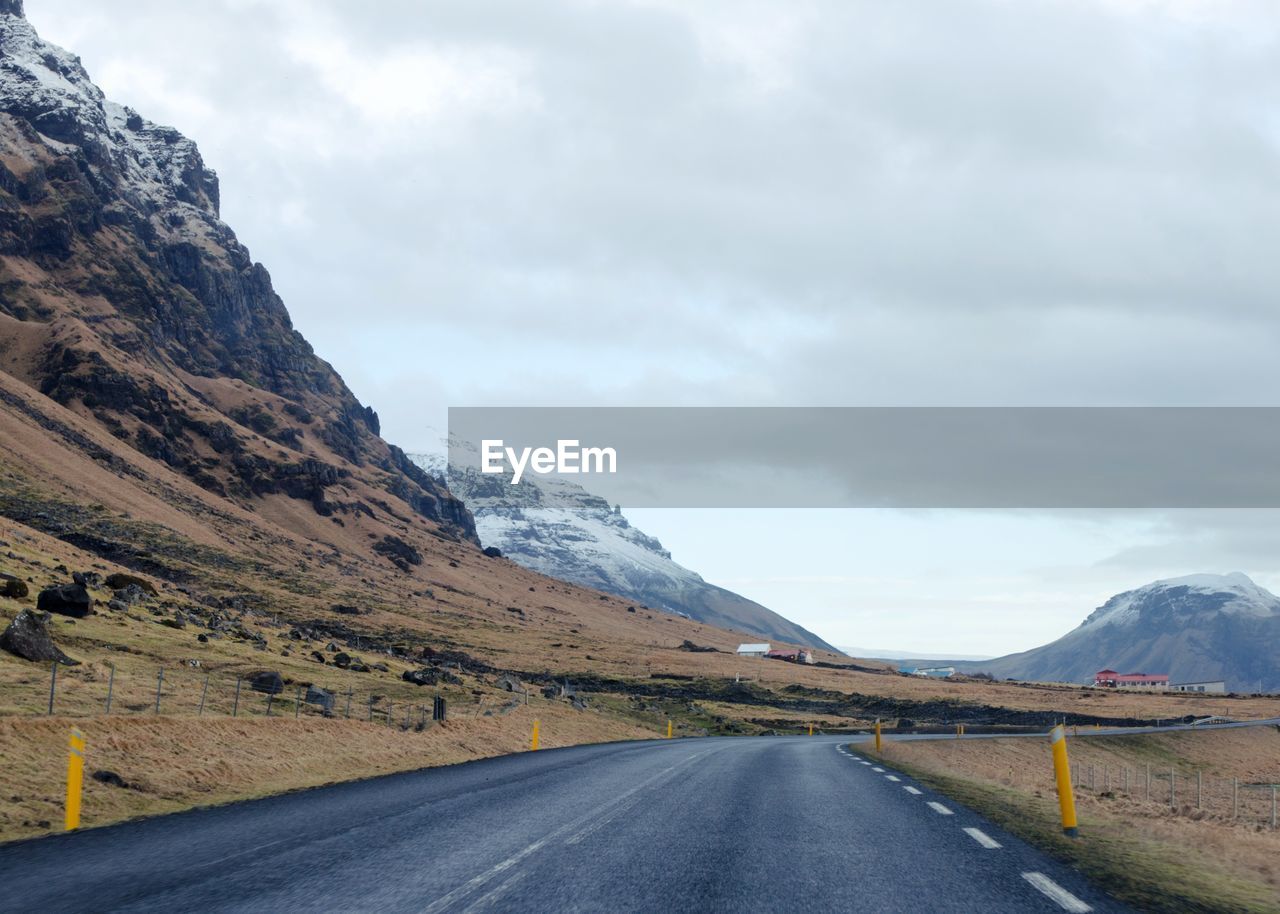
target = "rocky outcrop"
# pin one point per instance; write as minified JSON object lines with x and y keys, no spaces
{"x":138,"y":288}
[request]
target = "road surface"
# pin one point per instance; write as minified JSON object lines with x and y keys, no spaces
{"x":716,"y":824}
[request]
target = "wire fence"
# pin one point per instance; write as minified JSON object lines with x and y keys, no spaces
{"x":1184,"y":792}
{"x":106,"y":690}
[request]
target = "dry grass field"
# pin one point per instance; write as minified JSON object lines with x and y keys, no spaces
{"x":174,"y":763}
{"x":1159,"y":857}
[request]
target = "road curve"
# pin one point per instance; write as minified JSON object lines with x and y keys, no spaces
{"x":717,"y":824}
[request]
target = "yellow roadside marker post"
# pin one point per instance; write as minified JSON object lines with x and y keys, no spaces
{"x":877,"y":734}
{"x":534,"y":746}
{"x":668,"y":729}
{"x":811,"y":729}
{"x":1062,"y":771}
{"x":75,"y":779}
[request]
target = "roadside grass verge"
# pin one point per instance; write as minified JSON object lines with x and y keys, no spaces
{"x":167,"y":764}
{"x":1155,"y":860}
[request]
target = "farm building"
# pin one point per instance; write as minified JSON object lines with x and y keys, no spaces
{"x":795,"y":656}
{"x":1112,"y":680}
{"x":1216,"y":686}
{"x":753,"y":650}
{"x":933,"y":672}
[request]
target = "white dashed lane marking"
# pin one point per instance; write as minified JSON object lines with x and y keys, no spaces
{"x":890,"y":777}
{"x":1061,"y":896}
{"x":878,"y":770}
{"x":940,"y":809}
{"x":911,"y":790}
{"x":982,"y":838}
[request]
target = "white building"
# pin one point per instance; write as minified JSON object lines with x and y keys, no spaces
{"x":1216,"y":686}
{"x":753,"y":650}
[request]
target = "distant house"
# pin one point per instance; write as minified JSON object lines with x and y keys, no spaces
{"x":795,"y":656}
{"x":1216,"y":686}
{"x":1110,"y":679}
{"x":935,"y":672}
{"x":753,"y":650}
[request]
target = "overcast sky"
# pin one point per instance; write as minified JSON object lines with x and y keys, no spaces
{"x":799,"y":203}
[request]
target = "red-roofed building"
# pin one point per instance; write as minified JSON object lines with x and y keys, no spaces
{"x":1113,"y":680}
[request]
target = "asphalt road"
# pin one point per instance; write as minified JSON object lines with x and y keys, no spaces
{"x":747,"y":824}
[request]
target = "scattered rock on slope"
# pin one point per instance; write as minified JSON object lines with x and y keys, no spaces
{"x":28,"y":637}
{"x":13,"y":588}
{"x":65,"y":600}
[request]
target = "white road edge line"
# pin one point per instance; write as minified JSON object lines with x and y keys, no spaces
{"x":1057,"y":893}
{"x":982,"y":838}
{"x":911,"y":790}
{"x":890,"y":777}
{"x":940,"y":809}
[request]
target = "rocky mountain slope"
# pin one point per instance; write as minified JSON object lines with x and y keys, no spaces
{"x":1199,"y":627}
{"x":125,"y":299}
{"x":560,"y":529}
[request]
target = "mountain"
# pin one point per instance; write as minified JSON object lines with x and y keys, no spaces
{"x":1199,"y":627}
{"x":125,"y":300}
{"x":161,"y":419}
{"x":561,"y":530}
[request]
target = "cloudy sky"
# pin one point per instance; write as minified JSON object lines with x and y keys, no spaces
{"x":741,"y":203}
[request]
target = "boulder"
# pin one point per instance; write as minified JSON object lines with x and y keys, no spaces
{"x":65,"y":600}
{"x":493,"y":552}
{"x":120,"y":580}
{"x":269,"y":682}
{"x":13,"y":588}
{"x":318,"y":696}
{"x":509,"y":683}
{"x":130,"y":594}
{"x":342,"y":659}
{"x":317,"y":657}
{"x":422,"y":677}
{"x":28,"y":637}
{"x":87,"y":578}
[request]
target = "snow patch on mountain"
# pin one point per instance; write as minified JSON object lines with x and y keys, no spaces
{"x":561,"y":530}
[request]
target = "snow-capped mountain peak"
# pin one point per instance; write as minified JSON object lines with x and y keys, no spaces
{"x":1234,"y":594}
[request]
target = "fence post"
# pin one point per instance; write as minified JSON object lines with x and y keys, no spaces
{"x":235,"y":706}
{"x":53,"y":684}
{"x":203,"y":693}
{"x":1148,"y":782}
{"x":111,"y":681}
{"x":271,"y":694}
{"x":369,"y":718}
{"x":1106,"y":777}
{"x":348,"y":703}
{"x":159,"y":687}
